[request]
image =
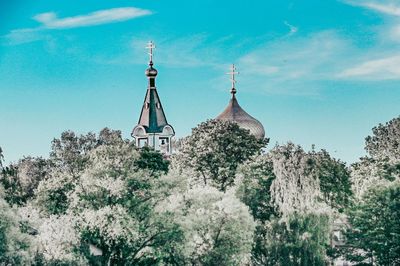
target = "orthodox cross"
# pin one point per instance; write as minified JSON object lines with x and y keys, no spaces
{"x":150,"y":46}
{"x":232,"y":73}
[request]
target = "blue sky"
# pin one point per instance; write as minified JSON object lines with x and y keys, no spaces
{"x":313,"y":72}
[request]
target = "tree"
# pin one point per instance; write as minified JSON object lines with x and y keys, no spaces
{"x":384,"y":148}
{"x":365,"y":175}
{"x":254,"y":190}
{"x":110,"y":203}
{"x":152,"y":160}
{"x":384,"y":144}
{"x":289,"y":192}
{"x":217,"y":227}
{"x":296,"y":187}
{"x":382,"y":166}
{"x":298,"y":239}
{"x":14,"y":245}
{"x":113,"y":188}
{"x":58,"y":242}
{"x":373,"y":235}
{"x":70,"y":152}
{"x":215,"y":149}
{"x":21,"y":179}
{"x":334,"y":180}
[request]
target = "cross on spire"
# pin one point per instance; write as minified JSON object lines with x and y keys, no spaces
{"x":232,"y":73}
{"x":151,"y":46}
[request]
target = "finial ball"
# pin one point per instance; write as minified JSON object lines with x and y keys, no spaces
{"x":151,"y":72}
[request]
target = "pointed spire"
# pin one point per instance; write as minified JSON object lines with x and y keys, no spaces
{"x":152,"y":115}
{"x":153,"y":129}
{"x":232,"y":73}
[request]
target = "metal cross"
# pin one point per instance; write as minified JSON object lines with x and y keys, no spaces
{"x":151,"y":46}
{"x":233,"y":72}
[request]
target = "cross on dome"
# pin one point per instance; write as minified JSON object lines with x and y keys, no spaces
{"x":232,"y":73}
{"x":151,"y":46}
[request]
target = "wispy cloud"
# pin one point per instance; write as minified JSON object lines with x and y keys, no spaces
{"x":21,"y":36}
{"x":51,"y":21}
{"x":381,"y":61}
{"x":295,"y":65}
{"x":386,"y":7}
{"x":378,"y":69}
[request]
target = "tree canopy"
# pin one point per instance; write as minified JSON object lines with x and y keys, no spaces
{"x":216,"y":148}
{"x":221,"y":199}
{"x":374,"y":234}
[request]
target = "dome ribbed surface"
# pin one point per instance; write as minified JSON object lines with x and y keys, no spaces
{"x":233,"y":112}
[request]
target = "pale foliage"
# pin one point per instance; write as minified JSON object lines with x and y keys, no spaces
{"x":383,"y":165}
{"x":216,"y":225}
{"x":385,"y":142}
{"x":51,"y":193}
{"x":115,"y":156}
{"x":30,"y":172}
{"x":97,"y":187}
{"x":215,"y":149}
{"x":30,"y":215}
{"x":57,"y":239}
{"x":365,"y":175}
{"x":112,"y":223}
{"x":14,"y":245}
{"x":296,"y":186}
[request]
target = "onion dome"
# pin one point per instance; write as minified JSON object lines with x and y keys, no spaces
{"x":151,"y":72}
{"x":234,"y":113}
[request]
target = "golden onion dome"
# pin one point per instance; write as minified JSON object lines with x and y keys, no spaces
{"x":234,"y":113}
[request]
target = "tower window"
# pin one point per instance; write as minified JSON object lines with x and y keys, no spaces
{"x":142,"y":142}
{"x":164,"y":145}
{"x":147,"y":105}
{"x":158,"y":105}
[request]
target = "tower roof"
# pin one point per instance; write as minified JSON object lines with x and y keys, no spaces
{"x":233,"y":112}
{"x":152,"y":116}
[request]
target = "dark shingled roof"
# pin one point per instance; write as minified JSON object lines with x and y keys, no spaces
{"x":152,"y":117}
{"x":233,"y":112}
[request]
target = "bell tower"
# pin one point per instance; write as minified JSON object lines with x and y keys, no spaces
{"x":153,"y":129}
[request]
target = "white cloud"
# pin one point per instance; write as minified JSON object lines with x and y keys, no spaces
{"x":378,"y":69}
{"x":51,"y":21}
{"x":382,"y":61}
{"x":294,"y":65}
{"x":21,"y":36}
{"x":387,"y":7}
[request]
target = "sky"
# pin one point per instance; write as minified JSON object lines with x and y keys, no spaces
{"x":312,"y":72}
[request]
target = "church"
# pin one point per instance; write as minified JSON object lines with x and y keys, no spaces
{"x":153,"y":129}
